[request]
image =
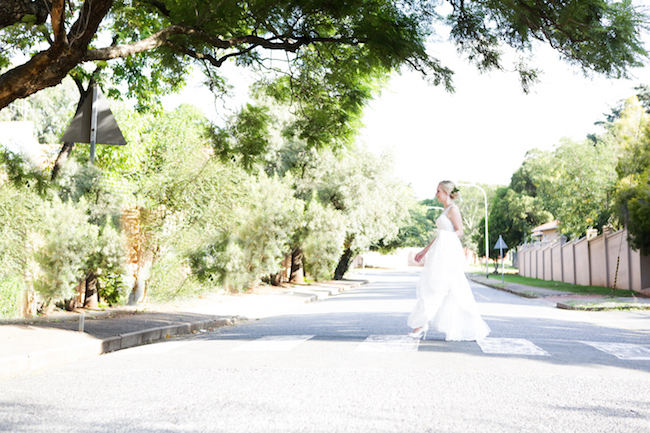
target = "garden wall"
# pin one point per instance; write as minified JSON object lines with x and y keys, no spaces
{"x":605,"y":260}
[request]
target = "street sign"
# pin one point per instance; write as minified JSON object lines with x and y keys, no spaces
{"x":94,"y":124}
{"x":501,"y":244}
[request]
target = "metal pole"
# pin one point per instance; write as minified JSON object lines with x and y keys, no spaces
{"x":93,"y":124}
{"x":503,"y":278}
{"x":487,"y":251}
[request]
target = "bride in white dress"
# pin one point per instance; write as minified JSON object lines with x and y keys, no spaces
{"x":444,"y":299}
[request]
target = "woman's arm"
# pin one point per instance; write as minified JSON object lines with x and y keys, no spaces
{"x":419,"y":256}
{"x":457,"y":220}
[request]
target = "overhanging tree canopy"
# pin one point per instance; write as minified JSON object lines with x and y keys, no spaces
{"x":335,"y":49}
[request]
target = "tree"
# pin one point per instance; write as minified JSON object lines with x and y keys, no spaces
{"x":631,"y":133}
{"x":19,"y":218}
{"x":164,"y":36}
{"x":573,"y":183}
{"x":633,"y":199}
{"x":363,"y":188}
{"x":352,"y":200}
{"x":335,"y":50}
{"x":415,"y":233}
{"x":472,"y":206}
{"x":512,"y":215}
{"x":325,"y":229}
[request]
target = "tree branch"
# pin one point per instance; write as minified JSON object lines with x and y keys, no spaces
{"x":58,"y":20}
{"x":154,"y":41}
{"x":191,"y":53}
{"x":160,"y":38}
{"x":85,"y":28}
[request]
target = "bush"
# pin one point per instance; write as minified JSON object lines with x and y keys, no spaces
{"x":68,"y":240}
{"x":107,"y":262}
{"x":172,"y":279}
{"x":11,"y":290}
{"x":255,"y":244}
{"x":323,"y":244}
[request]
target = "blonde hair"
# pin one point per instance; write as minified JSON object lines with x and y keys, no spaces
{"x":450,"y":188}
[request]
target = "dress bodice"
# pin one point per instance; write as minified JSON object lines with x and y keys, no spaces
{"x":444,"y":223}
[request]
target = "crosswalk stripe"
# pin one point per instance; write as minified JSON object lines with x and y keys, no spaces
{"x":388,"y":343}
{"x":402,"y":343}
{"x":511,"y":346}
{"x":273,"y":343}
{"x":622,"y":350}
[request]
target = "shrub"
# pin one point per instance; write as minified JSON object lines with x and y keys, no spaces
{"x":255,"y":244}
{"x":323,"y":244}
{"x":68,"y":240}
{"x":11,"y":290}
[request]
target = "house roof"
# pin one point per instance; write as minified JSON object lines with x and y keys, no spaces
{"x":548,"y":226}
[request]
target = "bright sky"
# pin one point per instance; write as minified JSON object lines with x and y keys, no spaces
{"x":481,"y":132}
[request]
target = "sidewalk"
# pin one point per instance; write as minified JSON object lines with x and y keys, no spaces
{"x":29,"y":346}
{"x":562,"y":299}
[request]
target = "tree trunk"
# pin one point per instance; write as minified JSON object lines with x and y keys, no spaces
{"x":139,"y":292}
{"x":344,"y":264}
{"x":284,"y":275}
{"x":92,"y":296}
{"x":80,"y":294}
{"x":29,"y":296}
{"x":29,"y":303}
{"x":297,"y":270}
{"x":61,"y":160}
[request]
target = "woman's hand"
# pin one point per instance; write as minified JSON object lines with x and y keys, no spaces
{"x":419,"y":256}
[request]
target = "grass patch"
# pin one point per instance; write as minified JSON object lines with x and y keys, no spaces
{"x":564,"y":287}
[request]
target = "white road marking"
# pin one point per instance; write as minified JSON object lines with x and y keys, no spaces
{"x":478,"y":295}
{"x":622,"y":350}
{"x":511,"y":346}
{"x":389,"y":343}
{"x":273,"y":343}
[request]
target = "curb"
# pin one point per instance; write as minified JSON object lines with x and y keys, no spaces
{"x":566,"y":306}
{"x":608,"y":307}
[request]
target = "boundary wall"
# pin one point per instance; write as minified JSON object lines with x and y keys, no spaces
{"x":605,"y":260}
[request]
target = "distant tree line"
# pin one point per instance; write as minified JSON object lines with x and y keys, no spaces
{"x":603,"y":180}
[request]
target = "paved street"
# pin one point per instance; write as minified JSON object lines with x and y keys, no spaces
{"x":346,"y":365}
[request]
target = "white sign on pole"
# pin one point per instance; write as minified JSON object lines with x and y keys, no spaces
{"x":501,"y":245}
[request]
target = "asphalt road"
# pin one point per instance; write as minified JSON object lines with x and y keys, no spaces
{"x":345,"y":365}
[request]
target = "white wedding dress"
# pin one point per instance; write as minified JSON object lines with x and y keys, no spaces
{"x":444,"y":298}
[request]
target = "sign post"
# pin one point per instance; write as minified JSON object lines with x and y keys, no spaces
{"x":501,"y":245}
